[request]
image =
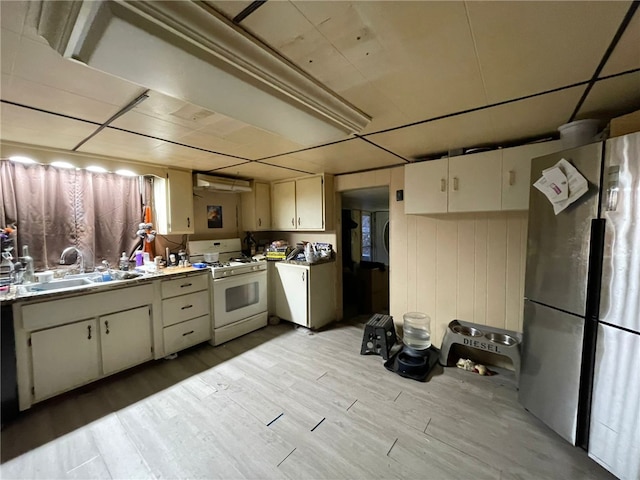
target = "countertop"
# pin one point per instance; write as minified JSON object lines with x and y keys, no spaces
{"x":307,"y":264}
{"x":13,"y":296}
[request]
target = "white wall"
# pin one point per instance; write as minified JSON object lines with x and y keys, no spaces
{"x":455,"y":266}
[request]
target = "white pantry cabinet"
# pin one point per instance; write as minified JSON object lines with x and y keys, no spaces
{"x":304,"y":203}
{"x":174,"y":203}
{"x":256,"y":208}
{"x":474,"y":182}
{"x":305,"y":294}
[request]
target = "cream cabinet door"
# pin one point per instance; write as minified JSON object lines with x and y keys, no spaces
{"x":310,"y":203}
{"x":64,"y":358}
{"x":263,"y":206}
{"x":425,"y":187}
{"x":516,"y":172}
{"x":125,"y":338}
{"x":475,"y":182}
{"x":292,"y":293}
{"x":284,"y":205}
{"x":180,"y":202}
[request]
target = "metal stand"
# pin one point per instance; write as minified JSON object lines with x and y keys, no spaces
{"x":482,"y":337}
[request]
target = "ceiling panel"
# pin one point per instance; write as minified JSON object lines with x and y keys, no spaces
{"x":626,"y":55}
{"x":12,"y":15}
{"x":184,"y":157}
{"x":530,"y":47}
{"x":535,"y":116}
{"x":468,"y":130}
{"x":147,"y":125}
{"x":9,"y":44}
{"x":36,"y":128}
{"x":610,"y":98}
{"x":230,"y":8}
{"x":349,"y":156}
{"x":258,"y":170}
{"x":40,"y":63}
{"x":115,"y":143}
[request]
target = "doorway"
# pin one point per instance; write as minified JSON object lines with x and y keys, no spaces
{"x":365,"y":251}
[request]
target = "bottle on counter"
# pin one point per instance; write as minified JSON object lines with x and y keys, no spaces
{"x":29,"y":273}
{"x":124,"y":262}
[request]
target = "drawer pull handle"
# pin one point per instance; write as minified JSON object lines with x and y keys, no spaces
{"x":186,"y":285}
{"x":512,"y":177}
{"x":443,"y":185}
{"x":89,"y":336}
{"x":293,"y":222}
{"x":186,"y":306}
{"x":455,"y":184}
{"x":259,"y":222}
{"x":106,"y":324}
{"x":188,"y":333}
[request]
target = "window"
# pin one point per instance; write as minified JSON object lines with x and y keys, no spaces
{"x":366,"y":236}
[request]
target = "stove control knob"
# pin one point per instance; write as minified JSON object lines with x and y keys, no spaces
{"x":232,"y":272}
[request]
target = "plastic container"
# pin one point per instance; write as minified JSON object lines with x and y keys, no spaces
{"x":44,"y":277}
{"x":139,"y":259}
{"x":416,"y":330}
{"x":578,"y":133}
{"x":124,"y":262}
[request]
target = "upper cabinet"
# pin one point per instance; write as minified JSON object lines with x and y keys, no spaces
{"x":302,"y":203}
{"x":516,"y":172}
{"x":174,"y":203}
{"x":256,"y":208}
{"x":481,"y":182}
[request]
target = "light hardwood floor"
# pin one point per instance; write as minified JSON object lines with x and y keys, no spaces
{"x":284,"y":402}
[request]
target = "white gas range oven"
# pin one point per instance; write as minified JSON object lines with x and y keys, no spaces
{"x":239,"y":288}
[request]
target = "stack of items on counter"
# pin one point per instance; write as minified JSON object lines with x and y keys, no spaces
{"x":303,"y":252}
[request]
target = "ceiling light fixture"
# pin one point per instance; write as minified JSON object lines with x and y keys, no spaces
{"x":97,"y":169}
{"x":20,"y":159}
{"x":61,"y":164}
{"x":206,"y":60}
{"x":126,"y":173}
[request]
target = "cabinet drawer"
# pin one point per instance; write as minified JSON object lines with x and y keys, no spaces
{"x":180,"y":286}
{"x":185,"y":334}
{"x":185,"y":307}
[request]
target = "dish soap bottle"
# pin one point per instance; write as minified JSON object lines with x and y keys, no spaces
{"x":124,"y":262}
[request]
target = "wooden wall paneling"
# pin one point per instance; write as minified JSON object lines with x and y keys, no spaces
{"x":496,"y":268}
{"x":481,"y":232}
{"x":513,"y":272}
{"x":413,"y":247}
{"x":426,"y":267}
{"x":466,"y":267}
{"x":398,"y":249}
{"x":446,"y":268}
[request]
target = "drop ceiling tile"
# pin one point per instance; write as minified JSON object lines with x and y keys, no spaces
{"x":36,"y":128}
{"x":178,"y":156}
{"x":626,"y":55}
{"x":203,"y":140}
{"x":612,"y":97}
{"x":141,"y":123}
{"x":230,"y":8}
{"x":258,"y":171}
{"x":44,"y":97}
{"x":12,"y":15}
{"x":115,"y":143}
{"x":266,"y":147}
{"x":462,"y":131}
{"x":40,"y":63}
{"x":383,"y":112}
{"x":344,"y":157}
{"x":530,"y":47}
{"x":537,"y":116}
{"x":9,"y":43}
{"x":318,"y":12}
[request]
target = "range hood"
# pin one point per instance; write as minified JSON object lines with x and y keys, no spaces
{"x":220,"y":184}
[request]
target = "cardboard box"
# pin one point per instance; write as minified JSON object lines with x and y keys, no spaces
{"x":629,"y":123}
{"x":373,"y":290}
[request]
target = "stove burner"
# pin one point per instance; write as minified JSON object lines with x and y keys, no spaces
{"x":218,"y":264}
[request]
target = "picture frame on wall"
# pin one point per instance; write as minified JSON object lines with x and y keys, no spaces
{"x":214,"y":216}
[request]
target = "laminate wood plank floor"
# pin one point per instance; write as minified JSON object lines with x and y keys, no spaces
{"x":287,"y":403}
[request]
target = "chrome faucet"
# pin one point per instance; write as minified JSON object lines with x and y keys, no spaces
{"x":79,"y":257}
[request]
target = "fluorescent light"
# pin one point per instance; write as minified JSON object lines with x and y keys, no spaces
{"x":61,"y":164}
{"x":126,"y":173}
{"x":97,"y":169}
{"x":223,"y":68}
{"x":20,"y":159}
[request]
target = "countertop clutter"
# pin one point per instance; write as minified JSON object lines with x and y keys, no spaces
{"x":74,"y":284}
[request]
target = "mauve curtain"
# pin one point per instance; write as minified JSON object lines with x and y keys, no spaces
{"x":54,"y":208}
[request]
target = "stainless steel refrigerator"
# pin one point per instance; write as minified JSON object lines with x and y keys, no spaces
{"x":580,"y":370}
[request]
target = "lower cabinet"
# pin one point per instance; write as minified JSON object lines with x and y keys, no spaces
{"x":186,"y":311}
{"x":305,"y":294}
{"x":72,"y":355}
